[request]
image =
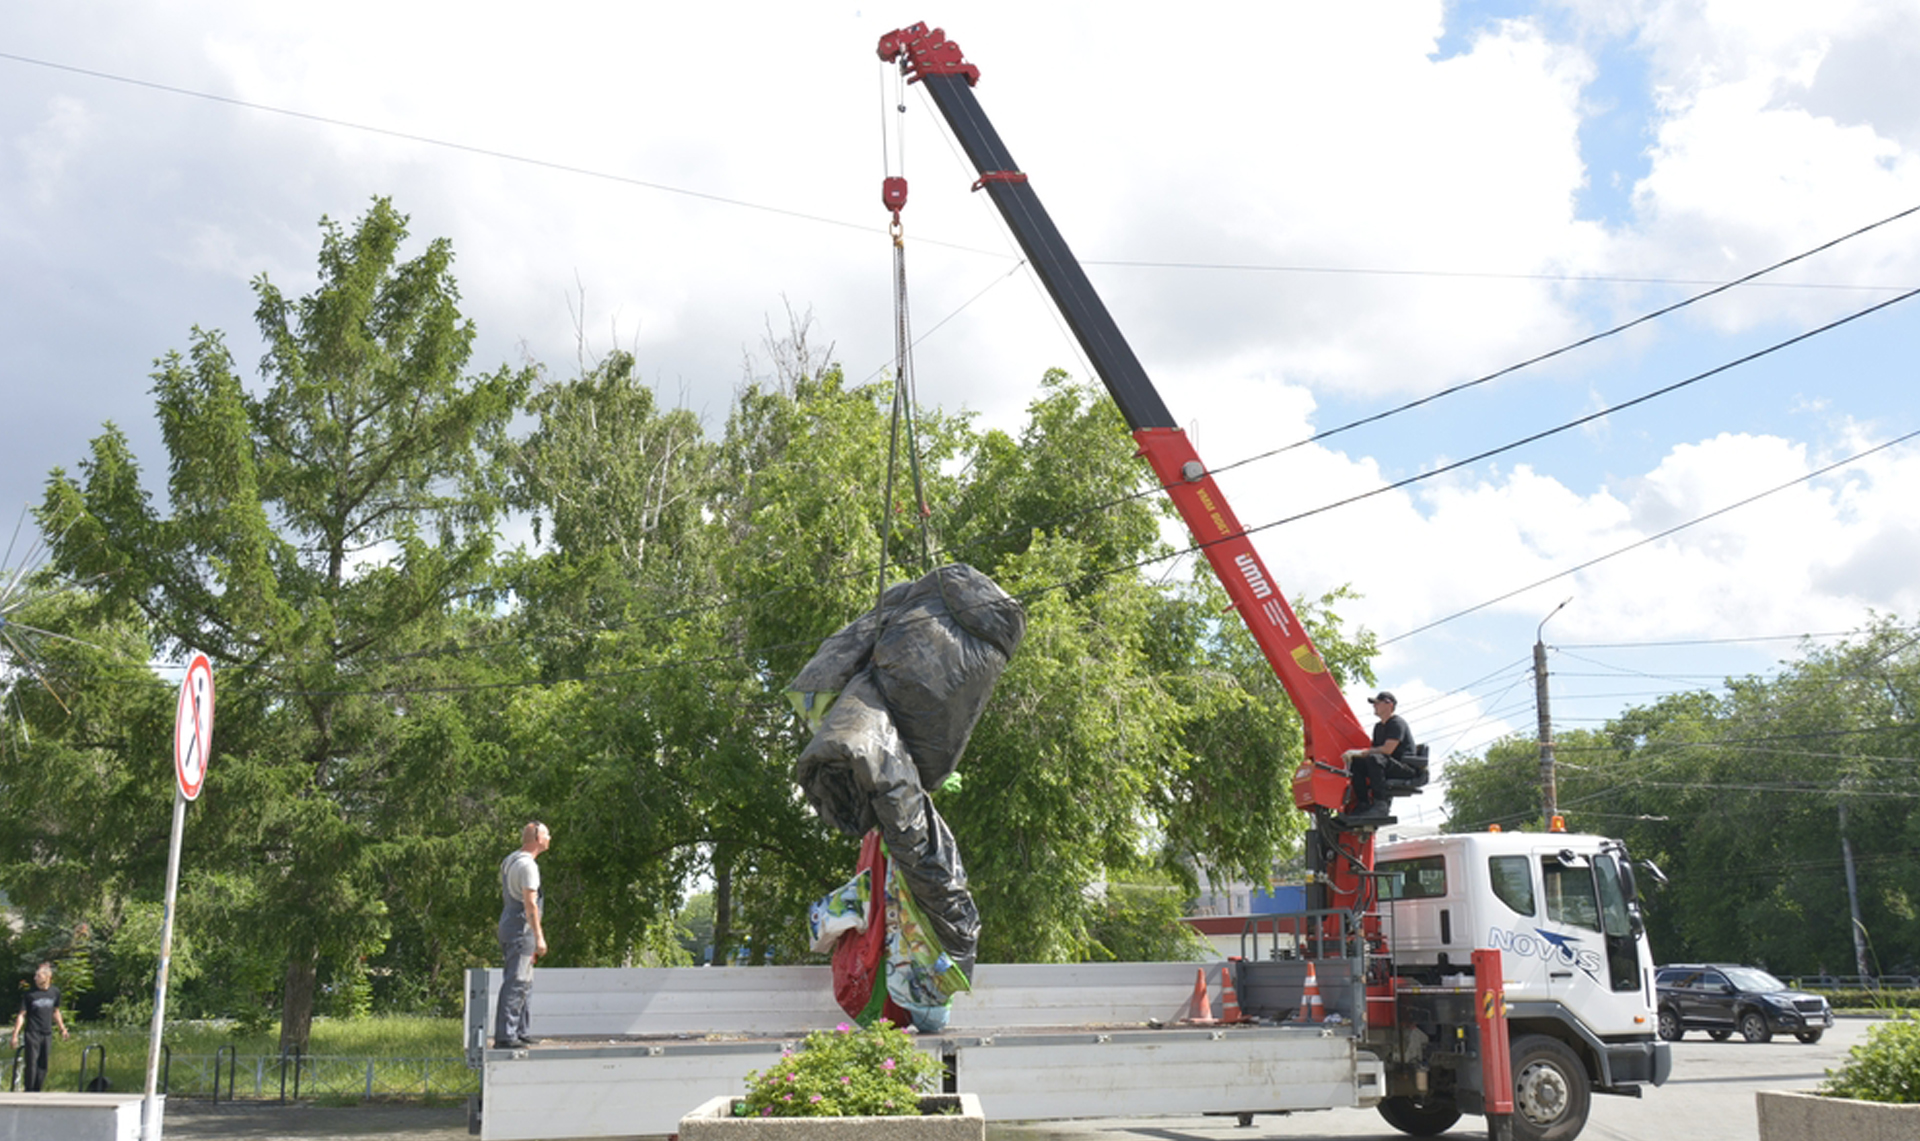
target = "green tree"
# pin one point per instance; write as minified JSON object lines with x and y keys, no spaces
{"x":804,"y":463}
{"x":683,"y":584}
{"x":1134,"y":732}
{"x":323,"y":532}
{"x":618,"y":488}
{"x":1749,"y":801}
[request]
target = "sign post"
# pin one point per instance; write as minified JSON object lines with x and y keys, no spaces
{"x":192,"y":746}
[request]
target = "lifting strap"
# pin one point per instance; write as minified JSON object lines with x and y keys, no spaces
{"x":893,"y":196}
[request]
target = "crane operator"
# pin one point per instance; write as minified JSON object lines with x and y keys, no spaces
{"x":1392,"y":741}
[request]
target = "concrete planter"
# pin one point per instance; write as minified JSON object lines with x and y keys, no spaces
{"x":714,"y":1121}
{"x":1809,"y":1117}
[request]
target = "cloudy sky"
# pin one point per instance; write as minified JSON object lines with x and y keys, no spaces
{"x":1301,"y":214}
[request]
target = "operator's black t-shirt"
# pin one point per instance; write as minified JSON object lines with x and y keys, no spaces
{"x":1394,"y":728}
{"x":39,"y":1005}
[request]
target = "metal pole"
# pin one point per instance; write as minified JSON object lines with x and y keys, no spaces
{"x":149,"y":1108}
{"x":1549,"y":790}
{"x":1860,"y":963}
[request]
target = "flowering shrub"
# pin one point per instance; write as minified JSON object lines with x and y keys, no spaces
{"x":844,"y":1072}
{"x":1886,"y":1067}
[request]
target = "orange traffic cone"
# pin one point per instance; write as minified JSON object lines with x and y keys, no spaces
{"x":1229,"y":1001}
{"x":1311,"y":1009}
{"x":1202,"y":1006}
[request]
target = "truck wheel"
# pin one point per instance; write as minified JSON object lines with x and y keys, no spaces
{"x":1753,"y":1027}
{"x":1809,"y":1036}
{"x":1671,"y":1029}
{"x":1719,"y":1035}
{"x":1419,"y":1118}
{"x":1550,"y":1091}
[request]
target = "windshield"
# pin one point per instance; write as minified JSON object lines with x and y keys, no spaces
{"x":1753,"y":978}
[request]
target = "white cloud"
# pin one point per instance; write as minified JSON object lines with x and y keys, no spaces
{"x":47,"y":152}
{"x":1750,"y":163}
{"x":1328,"y":137}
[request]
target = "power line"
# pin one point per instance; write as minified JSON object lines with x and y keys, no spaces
{"x":1605,"y":333}
{"x":445,"y":144}
{"x":1141,"y":563}
{"x":1138,"y":564}
{"x":1589,"y":278}
{"x":1702,"y":641}
{"x":725,"y":200}
{"x":1660,"y":535}
{"x":508,"y":156}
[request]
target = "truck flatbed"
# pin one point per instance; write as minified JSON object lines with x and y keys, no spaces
{"x":626,"y":1052}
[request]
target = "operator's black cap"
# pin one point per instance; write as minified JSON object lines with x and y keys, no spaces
{"x":1384,"y":695}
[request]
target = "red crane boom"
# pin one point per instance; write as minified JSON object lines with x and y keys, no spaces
{"x":1339,"y":858}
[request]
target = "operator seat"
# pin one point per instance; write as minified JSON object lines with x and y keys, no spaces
{"x":1408,"y":775}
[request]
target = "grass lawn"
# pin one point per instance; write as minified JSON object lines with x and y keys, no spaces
{"x":408,"y":1056}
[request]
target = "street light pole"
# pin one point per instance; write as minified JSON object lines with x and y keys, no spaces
{"x":1861,"y":962}
{"x":1549,"y":793}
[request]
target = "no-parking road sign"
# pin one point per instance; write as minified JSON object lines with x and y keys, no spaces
{"x":193,"y":727}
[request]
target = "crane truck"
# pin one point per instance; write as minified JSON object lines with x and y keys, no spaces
{"x":1502,"y":974}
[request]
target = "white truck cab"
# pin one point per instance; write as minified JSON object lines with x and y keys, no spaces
{"x":1561,"y":909}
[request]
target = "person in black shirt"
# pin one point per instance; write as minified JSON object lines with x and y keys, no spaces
{"x":39,"y":1014}
{"x":1369,"y":802}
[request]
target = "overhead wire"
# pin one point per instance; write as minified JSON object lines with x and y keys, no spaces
{"x":1141,"y":563}
{"x":1138,"y":564}
{"x":1747,"y":279}
{"x":1656,"y":756}
{"x":800,"y":215}
{"x":508,"y":156}
{"x":1658,"y":536}
{"x":1704,"y":641}
{"x":1602,"y":335}
{"x":1495,"y":275}
{"x":1663,"y":755}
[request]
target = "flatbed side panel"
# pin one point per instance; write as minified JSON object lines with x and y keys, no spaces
{"x":1234,"y":1073}
{"x":1017,"y":995}
{"x":581,"y":1002}
{"x":547,"y":1097}
{"x":636,"y":1089}
{"x":640,"y":1002}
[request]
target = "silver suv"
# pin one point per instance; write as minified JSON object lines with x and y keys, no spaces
{"x":1721,"y":999}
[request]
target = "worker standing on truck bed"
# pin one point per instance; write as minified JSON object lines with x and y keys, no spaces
{"x":522,"y":940}
{"x":1392,"y":741}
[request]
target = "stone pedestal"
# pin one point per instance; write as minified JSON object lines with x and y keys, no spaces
{"x":71,"y":1116}
{"x":714,"y":1121}
{"x":1810,"y":1117}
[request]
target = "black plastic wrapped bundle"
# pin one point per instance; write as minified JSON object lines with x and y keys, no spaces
{"x":937,"y":659}
{"x":913,"y":676}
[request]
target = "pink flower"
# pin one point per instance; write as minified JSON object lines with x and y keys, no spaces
{"x":887,"y":1065}
{"x":845,"y":1080}
{"x":844,"y":1028}
{"x":818,"y":1097}
{"x":766,"y":1111}
{"x":789,"y":1097}
{"x":793,"y":1075}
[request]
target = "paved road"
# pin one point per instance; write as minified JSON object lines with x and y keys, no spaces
{"x":1709,"y":1098}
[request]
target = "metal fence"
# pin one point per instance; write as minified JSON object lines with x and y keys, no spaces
{"x":229,"y":1075}
{"x":1854,"y":982}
